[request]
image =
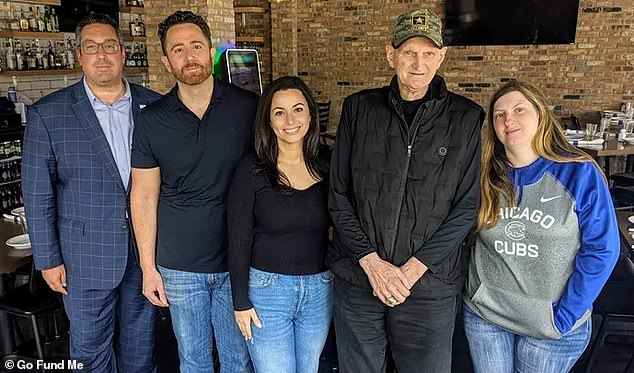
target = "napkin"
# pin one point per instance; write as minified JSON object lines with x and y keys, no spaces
{"x":586,"y":142}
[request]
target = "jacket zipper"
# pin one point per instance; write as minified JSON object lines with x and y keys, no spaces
{"x":397,"y":218}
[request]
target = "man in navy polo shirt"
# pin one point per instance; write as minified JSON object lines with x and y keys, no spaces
{"x":184,"y":152}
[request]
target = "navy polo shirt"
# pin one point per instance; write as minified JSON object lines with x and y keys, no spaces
{"x":197,"y":159}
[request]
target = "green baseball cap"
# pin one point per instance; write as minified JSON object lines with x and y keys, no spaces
{"x":419,"y":22}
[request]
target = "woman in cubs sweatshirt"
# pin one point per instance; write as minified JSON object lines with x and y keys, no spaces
{"x":548,"y":241}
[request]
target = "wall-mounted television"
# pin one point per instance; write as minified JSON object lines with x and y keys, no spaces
{"x":71,"y":11}
{"x":510,"y":22}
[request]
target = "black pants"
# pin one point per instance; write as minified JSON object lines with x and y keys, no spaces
{"x":419,"y":331}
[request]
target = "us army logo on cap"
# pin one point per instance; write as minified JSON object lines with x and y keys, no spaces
{"x":419,"y":23}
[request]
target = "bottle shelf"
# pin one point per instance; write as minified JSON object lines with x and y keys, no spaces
{"x":39,"y":72}
{"x":132,"y":9}
{"x":10,"y":182}
{"x":134,"y":70}
{"x":135,"y":39}
{"x":10,"y":159}
{"x":129,"y":70}
{"x":31,"y":34}
{"x":249,"y":9}
{"x":39,"y":2}
{"x":250,"y":39}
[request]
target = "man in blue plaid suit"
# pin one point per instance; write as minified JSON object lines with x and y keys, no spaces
{"x":76,"y":171}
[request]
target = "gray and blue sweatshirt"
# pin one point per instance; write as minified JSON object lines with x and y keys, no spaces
{"x":540,"y":268}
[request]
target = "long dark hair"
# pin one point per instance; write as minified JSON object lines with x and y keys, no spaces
{"x":266,"y":148}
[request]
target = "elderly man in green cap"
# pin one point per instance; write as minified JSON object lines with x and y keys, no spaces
{"x":404,"y":195}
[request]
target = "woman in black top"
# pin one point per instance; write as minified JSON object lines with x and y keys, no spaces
{"x":278,"y":234}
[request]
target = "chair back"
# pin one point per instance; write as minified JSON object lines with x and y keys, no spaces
{"x":323,"y":109}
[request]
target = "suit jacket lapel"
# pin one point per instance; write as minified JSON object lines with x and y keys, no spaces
{"x":136,"y":109}
{"x":88,"y":120}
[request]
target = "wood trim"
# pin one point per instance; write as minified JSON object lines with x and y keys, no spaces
{"x":31,"y":34}
{"x":249,"y":9}
{"x":250,"y":39}
{"x":134,"y":70}
{"x":39,"y":72}
{"x":131,"y":9}
{"x":39,"y":2}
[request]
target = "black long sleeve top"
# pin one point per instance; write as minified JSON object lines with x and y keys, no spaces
{"x":273,"y":232}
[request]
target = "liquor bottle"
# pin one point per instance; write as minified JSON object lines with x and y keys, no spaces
{"x":14,"y":23}
{"x":50,"y":56}
{"x":32,"y":20}
{"x":140,"y":2}
{"x":70,"y":55}
{"x":54,"y":20}
{"x":48,"y":25}
{"x":132,"y":28}
{"x":3,"y":198}
{"x":60,"y":56}
{"x":139,"y":57}
{"x":63,"y":60}
{"x":19,"y":186}
{"x":5,"y":172}
{"x":137,"y":27}
{"x":9,"y":197}
{"x":41,"y":24}
{"x":144,"y":62}
{"x":135,"y":55}
{"x":30,"y":56}
{"x":19,"y":55}
{"x":24,"y":23}
{"x":39,"y":56}
{"x":10,"y":56}
{"x":132,"y":57}
{"x":140,"y":26}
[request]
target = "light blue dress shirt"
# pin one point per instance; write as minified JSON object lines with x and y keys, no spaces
{"x":117,"y":123}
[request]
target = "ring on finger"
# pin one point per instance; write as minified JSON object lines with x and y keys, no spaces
{"x":390,"y":301}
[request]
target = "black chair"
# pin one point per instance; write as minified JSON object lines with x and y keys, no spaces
{"x":623,"y":198}
{"x":32,"y":300}
{"x":624,"y":179}
{"x":571,"y":123}
{"x":617,"y":319}
{"x":323,"y":109}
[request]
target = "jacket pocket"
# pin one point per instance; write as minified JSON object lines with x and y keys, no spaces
{"x":519,"y":313}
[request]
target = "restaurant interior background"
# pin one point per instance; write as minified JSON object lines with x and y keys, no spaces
{"x":337,"y":47}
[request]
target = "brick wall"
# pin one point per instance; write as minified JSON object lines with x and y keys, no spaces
{"x":219,"y":15}
{"x":337,"y":47}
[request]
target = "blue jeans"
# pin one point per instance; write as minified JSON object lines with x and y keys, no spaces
{"x":200,"y":305}
{"x":494,"y":349}
{"x":295,"y":312}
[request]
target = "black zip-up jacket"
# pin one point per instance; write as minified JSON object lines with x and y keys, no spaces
{"x":405,"y":190}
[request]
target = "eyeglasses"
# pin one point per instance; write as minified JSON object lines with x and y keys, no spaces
{"x":109,"y":47}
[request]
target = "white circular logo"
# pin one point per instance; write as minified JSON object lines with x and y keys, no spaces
{"x":515,"y":230}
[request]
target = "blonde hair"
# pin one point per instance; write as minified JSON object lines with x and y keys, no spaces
{"x":549,"y":142}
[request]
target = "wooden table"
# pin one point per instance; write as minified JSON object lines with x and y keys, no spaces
{"x":608,"y":149}
{"x":10,"y":260}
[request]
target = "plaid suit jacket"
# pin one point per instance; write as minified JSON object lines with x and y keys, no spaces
{"x":74,"y":197}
